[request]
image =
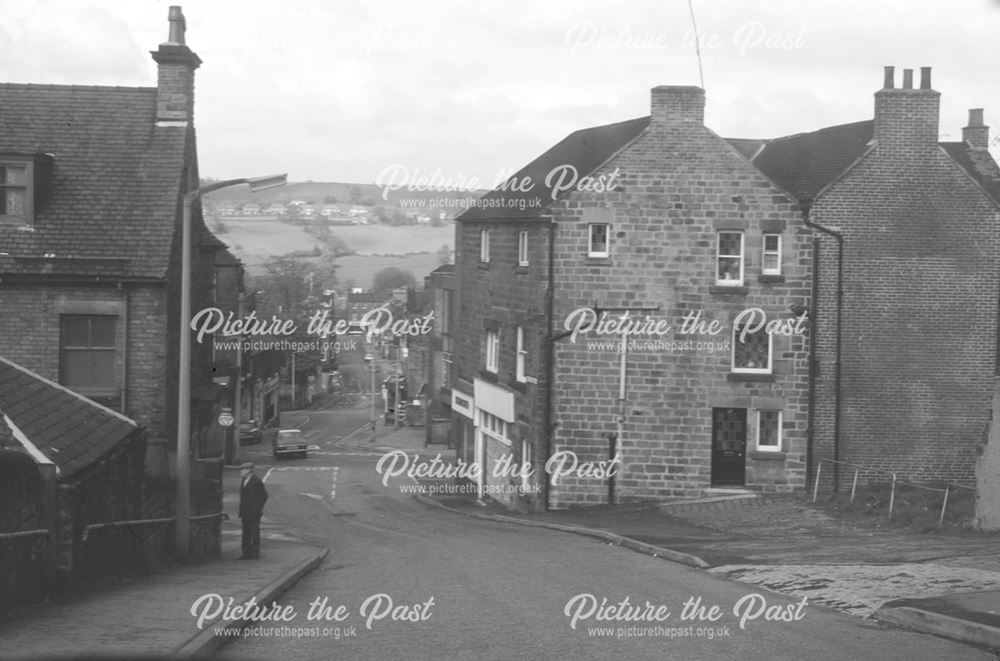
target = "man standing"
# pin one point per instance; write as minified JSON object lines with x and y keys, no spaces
{"x":253,"y":495}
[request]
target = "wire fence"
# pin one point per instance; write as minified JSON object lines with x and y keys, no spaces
{"x":895,"y":482}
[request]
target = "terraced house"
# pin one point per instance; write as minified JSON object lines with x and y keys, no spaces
{"x":648,"y":310}
{"x":92,"y":181}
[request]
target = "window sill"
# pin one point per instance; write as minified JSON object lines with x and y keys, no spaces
{"x":757,"y":455}
{"x":771,"y":279}
{"x":740,"y":290}
{"x":15,"y":223}
{"x":749,"y":376}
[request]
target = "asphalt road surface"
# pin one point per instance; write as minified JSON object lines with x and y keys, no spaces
{"x":405,"y":581}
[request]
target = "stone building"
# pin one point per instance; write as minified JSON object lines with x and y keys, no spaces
{"x":636,"y":307}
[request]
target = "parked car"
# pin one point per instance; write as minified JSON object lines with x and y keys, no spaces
{"x":289,"y":442}
{"x":250,"y":432}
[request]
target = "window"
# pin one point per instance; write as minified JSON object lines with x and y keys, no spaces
{"x":526,"y":464}
{"x":15,"y":187}
{"x":484,"y":246}
{"x":522,"y":356}
{"x":446,"y":372}
{"x":493,"y":426}
{"x":492,"y":350}
{"x":522,"y":248}
{"x":771,"y":262}
{"x":597,"y":244}
{"x":729,"y":259}
{"x":751,"y":351}
{"x":769,"y":431}
{"x":89,"y":352}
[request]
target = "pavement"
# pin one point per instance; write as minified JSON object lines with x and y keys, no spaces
{"x":150,"y":616}
{"x":946,"y":584}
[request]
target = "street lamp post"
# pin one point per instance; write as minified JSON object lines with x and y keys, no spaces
{"x":370,"y":359}
{"x":182,"y":530}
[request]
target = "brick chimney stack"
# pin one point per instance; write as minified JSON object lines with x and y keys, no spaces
{"x":175,"y":75}
{"x":678,"y":105}
{"x":907,"y":118}
{"x":976,"y":134}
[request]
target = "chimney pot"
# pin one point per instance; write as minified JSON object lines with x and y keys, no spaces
{"x":975,"y":117}
{"x":907,"y":79}
{"x":177,"y":26}
{"x":925,"y":78}
{"x":890,"y":78}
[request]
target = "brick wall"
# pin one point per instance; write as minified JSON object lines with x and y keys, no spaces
{"x":31,"y":337}
{"x":920,"y":303}
{"x":503,"y":295}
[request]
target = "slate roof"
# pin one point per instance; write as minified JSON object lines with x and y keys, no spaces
{"x":585,"y":150}
{"x":979,"y":164}
{"x":111,"y":205}
{"x":804,"y":163}
{"x":68,"y":428}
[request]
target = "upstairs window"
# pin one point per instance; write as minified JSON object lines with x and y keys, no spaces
{"x":752,"y":353}
{"x":522,"y":248}
{"x":484,"y":246}
{"x":15,"y":193}
{"x":522,"y":357}
{"x":492,"y":350}
{"x":729,"y":259}
{"x":89,"y":353}
{"x":771,"y":260}
{"x":597,"y":242}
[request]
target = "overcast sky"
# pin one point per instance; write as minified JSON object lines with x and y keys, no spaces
{"x":340,"y":91}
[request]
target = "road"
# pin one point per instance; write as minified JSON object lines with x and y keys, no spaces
{"x":405,"y":581}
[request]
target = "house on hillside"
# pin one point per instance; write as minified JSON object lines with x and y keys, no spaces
{"x":662,"y":319}
{"x":251,"y":209}
{"x":89,"y":282}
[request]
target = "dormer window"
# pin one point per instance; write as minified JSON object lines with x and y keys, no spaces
{"x":16,"y":192}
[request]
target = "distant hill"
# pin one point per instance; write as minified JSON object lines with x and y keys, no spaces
{"x":320,"y":192}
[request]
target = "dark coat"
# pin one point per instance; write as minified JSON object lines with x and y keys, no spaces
{"x":253,"y":495}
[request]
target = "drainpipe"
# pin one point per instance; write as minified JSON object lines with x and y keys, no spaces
{"x":550,"y":356}
{"x":123,"y":396}
{"x":810,"y":414}
{"x":806,"y":208}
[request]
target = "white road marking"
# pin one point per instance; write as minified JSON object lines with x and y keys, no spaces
{"x":333,"y":484}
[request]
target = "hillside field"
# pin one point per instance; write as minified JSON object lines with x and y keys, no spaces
{"x":410,"y":247}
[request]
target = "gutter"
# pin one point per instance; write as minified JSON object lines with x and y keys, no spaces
{"x":806,"y":208}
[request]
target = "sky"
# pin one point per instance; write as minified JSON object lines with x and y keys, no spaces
{"x":354,"y":89}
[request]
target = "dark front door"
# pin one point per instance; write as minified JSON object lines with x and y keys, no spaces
{"x":729,"y":444}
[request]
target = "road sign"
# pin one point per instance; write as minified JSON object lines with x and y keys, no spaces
{"x":226,"y":419}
